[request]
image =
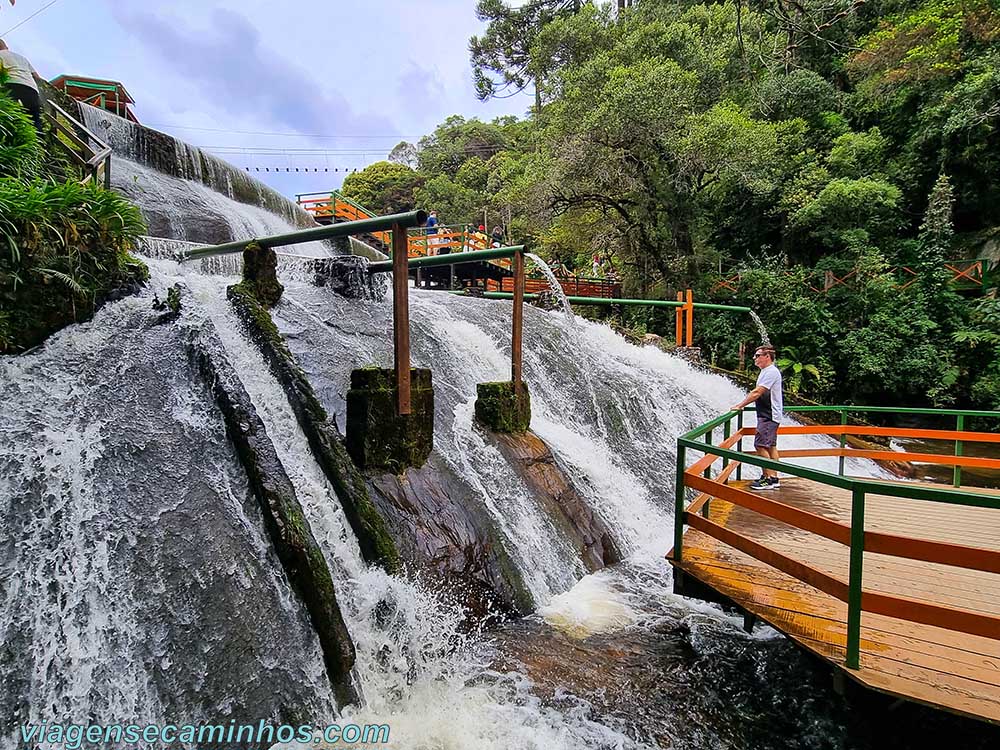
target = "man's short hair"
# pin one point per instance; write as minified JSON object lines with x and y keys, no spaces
{"x":768,"y":350}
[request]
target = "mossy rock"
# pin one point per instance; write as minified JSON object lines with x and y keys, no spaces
{"x":260,"y":274}
{"x":377,"y":545}
{"x":500,"y":409}
{"x":380,"y":440}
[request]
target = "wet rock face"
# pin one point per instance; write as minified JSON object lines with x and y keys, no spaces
{"x":286,"y":524}
{"x":348,"y":276}
{"x":443,"y":532}
{"x":378,"y":438}
{"x":501,"y":408}
{"x":260,"y":272}
{"x":552,"y":488}
{"x":173,"y":157}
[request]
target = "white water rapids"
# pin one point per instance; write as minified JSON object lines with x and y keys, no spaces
{"x":140,"y":583}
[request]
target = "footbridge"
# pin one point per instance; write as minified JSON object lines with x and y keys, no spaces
{"x":492,"y":275}
{"x":895,"y":585}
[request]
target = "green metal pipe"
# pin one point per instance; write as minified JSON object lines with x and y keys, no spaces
{"x":679,"y":497}
{"x":344,"y":229}
{"x":855,"y":577}
{"x":451,"y":259}
{"x":615,"y":301}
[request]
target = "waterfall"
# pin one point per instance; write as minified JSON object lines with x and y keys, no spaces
{"x":174,"y":158}
{"x":140,"y":583}
{"x":764,"y":338}
{"x":554,"y":284}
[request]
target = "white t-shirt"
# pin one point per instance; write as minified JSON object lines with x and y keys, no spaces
{"x":18,"y":68}
{"x":770,"y":405}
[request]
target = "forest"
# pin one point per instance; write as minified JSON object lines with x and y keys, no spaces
{"x":834,"y":164}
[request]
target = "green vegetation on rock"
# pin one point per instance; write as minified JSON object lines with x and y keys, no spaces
{"x":380,"y":440}
{"x":502,"y":409}
{"x":376,"y":544}
{"x":64,"y":247}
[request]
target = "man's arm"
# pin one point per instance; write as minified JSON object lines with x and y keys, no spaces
{"x":755,"y":394}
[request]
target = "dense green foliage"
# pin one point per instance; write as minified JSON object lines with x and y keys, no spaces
{"x":827,"y":156}
{"x":63,"y":246}
{"x":383,"y":187}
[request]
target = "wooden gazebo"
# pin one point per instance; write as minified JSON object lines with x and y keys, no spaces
{"x":109,"y":95}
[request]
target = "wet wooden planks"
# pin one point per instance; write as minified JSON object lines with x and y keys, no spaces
{"x":927,"y":664}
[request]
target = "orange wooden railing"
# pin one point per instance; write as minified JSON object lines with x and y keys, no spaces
{"x":854,"y":535}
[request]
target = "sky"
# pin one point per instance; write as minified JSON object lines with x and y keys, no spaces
{"x":329,"y":85}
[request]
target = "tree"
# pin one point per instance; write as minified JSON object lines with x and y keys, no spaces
{"x":502,"y":60}
{"x":405,"y":153}
{"x":383,"y":187}
{"x":936,"y":231}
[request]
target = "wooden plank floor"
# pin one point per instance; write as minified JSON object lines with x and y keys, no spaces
{"x":930,"y":665}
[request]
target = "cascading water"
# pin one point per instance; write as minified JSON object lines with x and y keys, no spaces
{"x":554,"y":284}
{"x":764,"y":338}
{"x":172,"y":157}
{"x":181,"y":209}
{"x":610,"y":411}
{"x":139,"y":582}
{"x":142,"y":585}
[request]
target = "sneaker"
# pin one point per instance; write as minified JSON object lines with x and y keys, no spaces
{"x":774,"y":483}
{"x":765,"y":483}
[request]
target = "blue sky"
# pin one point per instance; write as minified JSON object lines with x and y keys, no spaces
{"x":352,"y":79}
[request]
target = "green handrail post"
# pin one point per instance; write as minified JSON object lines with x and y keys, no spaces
{"x":679,"y":502}
{"x":708,"y":441}
{"x":708,"y":473}
{"x":856,"y":574}
{"x":957,"y":472}
{"x":727,"y":431}
{"x":843,"y":439}
{"x":739,"y":444}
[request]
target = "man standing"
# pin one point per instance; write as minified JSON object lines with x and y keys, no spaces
{"x":767,"y":396}
{"x":21,"y":82}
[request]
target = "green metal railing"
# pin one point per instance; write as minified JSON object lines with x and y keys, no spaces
{"x":427,"y":261}
{"x":343,"y":229}
{"x":700,"y":439}
{"x":614,"y":301}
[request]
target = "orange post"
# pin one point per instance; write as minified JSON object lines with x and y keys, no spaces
{"x":517,"y":323}
{"x":680,"y":320}
{"x":690,"y":317}
{"x":401,"y":318}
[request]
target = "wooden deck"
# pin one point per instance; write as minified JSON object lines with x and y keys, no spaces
{"x":931,"y":665}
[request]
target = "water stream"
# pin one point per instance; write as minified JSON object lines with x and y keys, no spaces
{"x":554,"y":284}
{"x":140,"y":583}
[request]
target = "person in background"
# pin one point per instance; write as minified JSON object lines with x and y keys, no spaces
{"x":481,"y":240}
{"x":767,"y":396}
{"x":21,"y":82}
{"x":431,"y":229}
{"x":596,"y":265}
{"x":498,"y":236}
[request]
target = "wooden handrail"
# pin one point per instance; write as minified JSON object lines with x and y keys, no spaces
{"x":853,"y":534}
{"x":99,"y":160}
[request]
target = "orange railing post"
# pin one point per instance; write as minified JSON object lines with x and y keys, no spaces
{"x":680,"y":320}
{"x":401,"y":318}
{"x":690,"y":317}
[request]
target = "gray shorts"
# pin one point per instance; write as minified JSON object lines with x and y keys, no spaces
{"x":767,"y":434}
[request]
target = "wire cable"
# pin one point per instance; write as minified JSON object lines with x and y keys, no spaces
{"x":17,"y":26}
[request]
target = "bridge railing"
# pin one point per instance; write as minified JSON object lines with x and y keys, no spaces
{"x":89,"y":152}
{"x":699,"y":477}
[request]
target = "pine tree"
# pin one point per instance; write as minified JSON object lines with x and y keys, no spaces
{"x":937,"y":230}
